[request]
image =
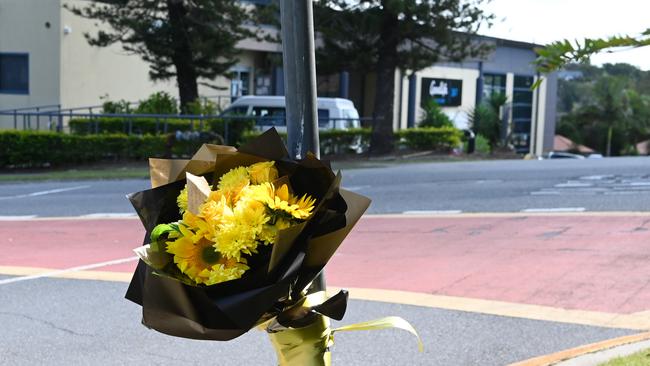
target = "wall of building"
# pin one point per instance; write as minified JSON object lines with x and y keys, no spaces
{"x":458,"y":114}
{"x":90,"y":73}
{"x":24,"y":29}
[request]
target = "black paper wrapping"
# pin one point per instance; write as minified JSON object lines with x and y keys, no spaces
{"x":227,"y":310}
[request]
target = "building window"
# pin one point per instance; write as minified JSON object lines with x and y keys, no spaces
{"x":240,"y":79}
{"x":522,"y":112}
{"x":494,"y":84}
{"x":14,"y":73}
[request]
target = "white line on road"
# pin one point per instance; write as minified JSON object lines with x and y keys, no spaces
{"x":17,"y":218}
{"x":66,"y":270}
{"x":41,"y":193}
{"x":116,"y":215}
{"x":556,"y":209}
{"x":573,"y":185}
{"x":356,"y":188}
{"x":432,"y":212}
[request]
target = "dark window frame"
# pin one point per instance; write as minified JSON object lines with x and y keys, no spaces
{"x":492,"y":86}
{"x":17,"y":91}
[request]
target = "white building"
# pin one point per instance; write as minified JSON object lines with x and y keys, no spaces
{"x":45,"y":60}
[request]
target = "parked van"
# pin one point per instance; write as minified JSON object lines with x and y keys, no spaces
{"x":333,"y":113}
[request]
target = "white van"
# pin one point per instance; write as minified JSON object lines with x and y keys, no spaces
{"x":333,"y":113}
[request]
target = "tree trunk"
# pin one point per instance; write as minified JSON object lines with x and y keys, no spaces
{"x":382,"y":139}
{"x":186,"y":78}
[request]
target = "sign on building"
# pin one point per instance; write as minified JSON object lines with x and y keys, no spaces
{"x":446,"y":92}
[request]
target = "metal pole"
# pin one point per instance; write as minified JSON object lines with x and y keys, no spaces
{"x":299,"y":63}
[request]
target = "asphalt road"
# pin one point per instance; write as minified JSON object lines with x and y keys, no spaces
{"x":611,"y":184}
{"x":72,"y":322}
{"x":55,"y":321}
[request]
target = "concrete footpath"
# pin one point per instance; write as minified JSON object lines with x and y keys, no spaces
{"x":585,"y":269}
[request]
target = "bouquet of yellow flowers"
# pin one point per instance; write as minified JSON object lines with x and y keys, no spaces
{"x":235,"y":238}
{"x":222,"y":229}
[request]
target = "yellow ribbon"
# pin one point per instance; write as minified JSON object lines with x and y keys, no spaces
{"x":310,"y":345}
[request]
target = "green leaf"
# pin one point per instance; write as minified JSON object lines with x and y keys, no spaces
{"x":160,"y":234}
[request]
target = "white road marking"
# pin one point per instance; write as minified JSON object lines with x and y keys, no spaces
{"x":42,"y":193}
{"x":573,"y":185}
{"x":17,"y":218}
{"x":545,"y":193}
{"x":356,"y":188}
{"x":596,"y":177}
{"x":102,"y":215}
{"x":432,"y":212}
{"x":555,"y":209}
{"x":66,"y":270}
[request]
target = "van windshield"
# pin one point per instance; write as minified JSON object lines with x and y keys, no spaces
{"x":236,"y":111}
{"x":323,"y":118}
{"x":269,"y":116}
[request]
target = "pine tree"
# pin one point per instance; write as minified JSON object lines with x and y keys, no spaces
{"x":386,"y":35}
{"x":190,"y":40}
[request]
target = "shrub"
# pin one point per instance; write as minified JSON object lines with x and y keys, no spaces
{"x":129,"y":125}
{"x":333,"y":142}
{"x":485,"y":119}
{"x":147,"y":125}
{"x":357,"y":140}
{"x":430,"y":138}
{"x":119,"y":107}
{"x":482,"y":145}
{"x":37,"y":149}
{"x":236,"y":128}
{"x":434,"y":116}
{"x":158,"y":103}
{"x":204,"y":107}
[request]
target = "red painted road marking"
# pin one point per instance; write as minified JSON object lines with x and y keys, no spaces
{"x":599,"y":263}
{"x":60,"y":244}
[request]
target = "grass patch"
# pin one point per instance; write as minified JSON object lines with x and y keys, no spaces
{"x":637,"y":359}
{"x":91,"y":172}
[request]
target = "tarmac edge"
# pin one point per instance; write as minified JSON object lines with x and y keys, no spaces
{"x":555,"y":358}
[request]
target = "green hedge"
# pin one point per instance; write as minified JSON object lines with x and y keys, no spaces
{"x":147,"y":125}
{"x":430,"y":138}
{"x":358,"y":140}
{"x":37,"y":149}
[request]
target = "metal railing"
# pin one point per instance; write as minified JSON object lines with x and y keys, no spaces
{"x":53,"y":114}
{"x":59,"y":120}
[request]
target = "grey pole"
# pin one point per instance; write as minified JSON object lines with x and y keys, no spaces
{"x":299,"y":61}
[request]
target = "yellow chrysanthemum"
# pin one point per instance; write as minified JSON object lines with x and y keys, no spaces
{"x":226,"y":270}
{"x":213,"y":210}
{"x":181,"y":200}
{"x":263,"y":172}
{"x":216,"y":196}
{"x":233,"y":240}
{"x":269,"y":233}
{"x":195,"y":259}
{"x":231,"y":183}
{"x":250,"y":212}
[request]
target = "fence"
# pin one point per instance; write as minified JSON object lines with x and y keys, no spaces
{"x":86,"y":121}
{"x":53,"y":114}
